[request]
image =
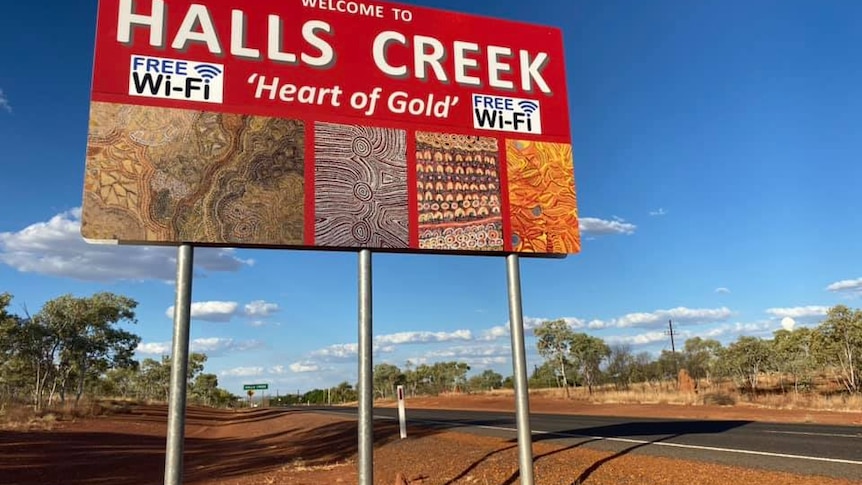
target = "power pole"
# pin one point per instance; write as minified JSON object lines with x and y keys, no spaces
{"x":670,"y":332}
{"x":672,"y":345}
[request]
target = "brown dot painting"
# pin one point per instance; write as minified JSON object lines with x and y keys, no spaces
{"x":544,"y":214}
{"x":360,"y":190}
{"x":168,"y":175}
{"x":458,"y":192}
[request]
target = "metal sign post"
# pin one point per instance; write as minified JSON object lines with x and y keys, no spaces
{"x":250,"y":388}
{"x":519,"y":366}
{"x":179,"y":367}
{"x":366,"y":390}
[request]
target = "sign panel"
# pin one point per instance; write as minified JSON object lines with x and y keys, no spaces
{"x":255,"y":387}
{"x":330,"y":124}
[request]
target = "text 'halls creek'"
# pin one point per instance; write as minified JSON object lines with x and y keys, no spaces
{"x":503,"y":68}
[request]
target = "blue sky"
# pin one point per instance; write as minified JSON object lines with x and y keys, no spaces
{"x":716,"y":159}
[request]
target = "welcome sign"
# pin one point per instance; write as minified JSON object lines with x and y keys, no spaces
{"x":328,"y":124}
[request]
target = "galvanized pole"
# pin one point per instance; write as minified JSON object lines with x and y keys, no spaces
{"x":179,"y":367}
{"x":519,"y":366}
{"x":366,"y":390}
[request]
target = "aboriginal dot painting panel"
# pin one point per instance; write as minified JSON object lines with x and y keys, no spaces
{"x":458,"y":192}
{"x":543,"y":208}
{"x":360,"y":186}
{"x":171,"y":175}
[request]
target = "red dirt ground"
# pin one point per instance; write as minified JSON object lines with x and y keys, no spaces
{"x":271,"y":446}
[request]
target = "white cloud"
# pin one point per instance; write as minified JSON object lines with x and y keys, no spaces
{"x":726,"y":332}
{"x":260,"y":308}
{"x":423,"y":337}
{"x":56,"y":248}
{"x":474,"y":362}
{"x":660,"y":318}
{"x":730,"y":331}
{"x":210,"y":311}
{"x":593,"y":225}
{"x":338,"y":351}
{"x":530,"y":323}
{"x":254,"y":371}
{"x":632,"y":320}
{"x":494,"y":333}
{"x":302,"y":367}
{"x":788,"y":323}
{"x":714,"y":332}
{"x":4,"y":102}
{"x":463,"y":351}
{"x":243,"y":372}
{"x":214,"y":344}
{"x":722,"y":290}
{"x":384,"y":344}
{"x":659,"y":212}
{"x":799,"y":312}
{"x":218,"y":345}
{"x":153,"y":348}
{"x":349,"y":351}
{"x":208,"y":345}
{"x":752,"y":328}
{"x":846,"y":286}
{"x":641,"y":339}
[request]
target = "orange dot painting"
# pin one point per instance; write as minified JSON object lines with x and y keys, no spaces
{"x":542,"y":203}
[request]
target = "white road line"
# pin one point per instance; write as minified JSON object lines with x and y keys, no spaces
{"x":806,"y":433}
{"x":646,"y":442}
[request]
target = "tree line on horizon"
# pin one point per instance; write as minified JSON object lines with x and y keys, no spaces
{"x":75,"y":347}
{"x":797,"y":359}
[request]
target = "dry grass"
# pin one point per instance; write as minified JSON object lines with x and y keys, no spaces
{"x":298,"y":465}
{"x":810,"y":401}
{"x":16,"y":416}
{"x":826,"y":398}
{"x":637,"y":396}
{"x":21,"y":418}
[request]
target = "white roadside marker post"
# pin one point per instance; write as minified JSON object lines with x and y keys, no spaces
{"x":402,"y":421}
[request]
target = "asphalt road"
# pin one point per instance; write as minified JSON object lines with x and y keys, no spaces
{"x":834,"y":451}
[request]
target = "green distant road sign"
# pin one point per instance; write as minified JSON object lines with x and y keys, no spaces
{"x":254,"y":387}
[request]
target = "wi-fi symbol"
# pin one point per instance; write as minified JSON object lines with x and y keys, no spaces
{"x":528,"y":106}
{"x":207,"y":71}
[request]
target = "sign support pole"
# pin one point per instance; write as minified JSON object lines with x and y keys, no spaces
{"x":519,"y":366}
{"x":366,"y":384}
{"x":179,"y":367}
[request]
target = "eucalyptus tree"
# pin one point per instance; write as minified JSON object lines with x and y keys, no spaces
{"x":841,"y":345}
{"x":746,"y":359}
{"x":554,"y":339}
{"x":69,"y":342}
{"x":700,"y":357}
{"x":588,"y":353}
{"x":794,"y":353}
{"x":88,"y":338}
